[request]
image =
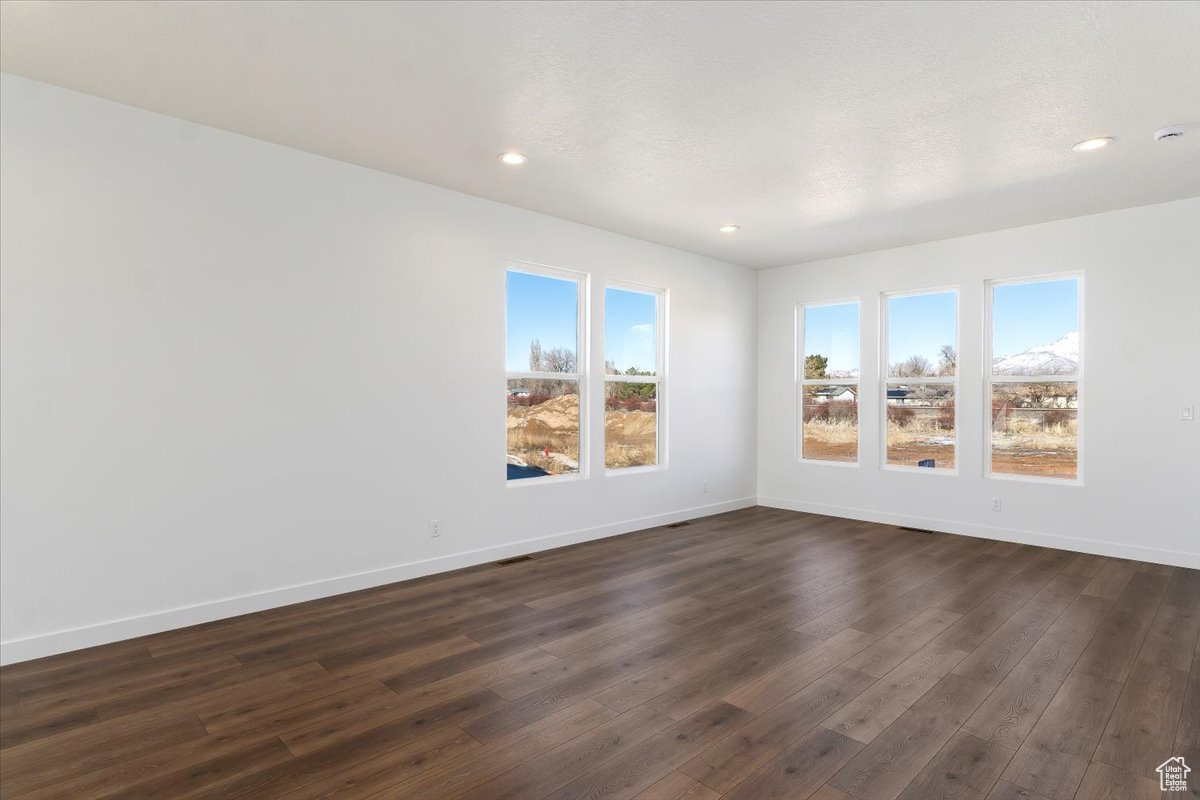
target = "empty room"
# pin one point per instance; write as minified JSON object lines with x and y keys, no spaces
{"x":843,"y":359}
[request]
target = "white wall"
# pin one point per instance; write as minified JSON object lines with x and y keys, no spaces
{"x":1140,"y":496}
{"x":237,"y":375}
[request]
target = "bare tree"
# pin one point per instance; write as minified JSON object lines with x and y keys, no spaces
{"x":913,"y":367}
{"x":558,"y":359}
{"x":948,"y":358}
{"x":535,"y":355}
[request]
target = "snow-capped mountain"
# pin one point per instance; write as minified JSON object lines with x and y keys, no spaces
{"x":1059,"y":358}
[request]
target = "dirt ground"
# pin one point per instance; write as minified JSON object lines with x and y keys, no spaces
{"x":1041,"y":464}
{"x":907,"y":454}
{"x":630,"y":437}
{"x":1043,"y":456}
{"x":818,"y":448}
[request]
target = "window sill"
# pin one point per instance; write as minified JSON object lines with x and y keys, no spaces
{"x":545,"y":480}
{"x":1000,"y":476}
{"x":619,"y":471}
{"x":921,"y":470}
{"x":825,"y":463}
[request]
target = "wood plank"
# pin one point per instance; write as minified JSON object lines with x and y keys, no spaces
{"x":735,"y":757}
{"x":887,"y":653}
{"x":392,"y":717}
{"x":774,"y":687}
{"x":48,"y":760}
{"x":1054,"y":757}
{"x":677,"y":664}
{"x":566,"y":667}
{"x":827,"y":792}
{"x":1003,"y":790}
{"x":565,"y":761}
{"x":1187,"y":737}
{"x":1105,"y":782}
{"x":1110,"y":581}
{"x":706,"y":688}
{"x":1116,"y":644}
{"x":350,"y":760}
{"x":1143,"y":724}
{"x":207,"y":775}
{"x":965,"y":769}
{"x":365,"y":775}
{"x":678,"y":786}
{"x":800,"y":769}
{"x":637,"y":769}
{"x":1183,"y":589}
{"x":869,"y":714}
{"x":1171,"y":640}
{"x":1001,"y":651}
{"x":885,"y":767}
{"x":1010,"y":712}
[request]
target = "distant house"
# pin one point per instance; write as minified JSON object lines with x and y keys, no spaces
{"x":897,"y":396}
{"x":519,"y":391}
{"x":832,"y":393}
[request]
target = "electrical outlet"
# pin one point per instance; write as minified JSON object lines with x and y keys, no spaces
{"x":704,"y":489}
{"x":1186,"y":414}
{"x":995,"y":504}
{"x":435,"y":528}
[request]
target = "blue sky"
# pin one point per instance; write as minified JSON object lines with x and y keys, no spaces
{"x":1026,"y":315}
{"x":545,"y":308}
{"x":919,"y":324}
{"x":630,"y":330}
{"x":832,"y":331}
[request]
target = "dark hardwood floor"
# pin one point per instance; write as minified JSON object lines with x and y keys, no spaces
{"x":753,"y":655}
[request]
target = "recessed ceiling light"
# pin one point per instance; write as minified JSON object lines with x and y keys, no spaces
{"x":1169,"y":132}
{"x":513,"y":159}
{"x":729,"y":228}
{"x":1092,"y":144}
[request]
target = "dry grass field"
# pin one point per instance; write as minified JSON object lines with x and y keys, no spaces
{"x":546,"y":435}
{"x":1029,"y":442}
{"x":1033,"y":445}
{"x":831,"y":441}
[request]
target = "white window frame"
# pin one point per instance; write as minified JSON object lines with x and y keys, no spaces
{"x":989,"y":379}
{"x":801,"y":382}
{"x":885,"y":380}
{"x":582,"y":362}
{"x":659,"y":378}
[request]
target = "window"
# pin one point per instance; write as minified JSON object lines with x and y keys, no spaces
{"x":829,"y":382}
{"x":545,"y":372}
{"x":1033,"y":380}
{"x":920,"y":379}
{"x":633,"y":359}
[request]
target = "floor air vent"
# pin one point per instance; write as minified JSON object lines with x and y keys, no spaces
{"x":679,"y":524}
{"x":916,"y":530}
{"x":504,"y":562}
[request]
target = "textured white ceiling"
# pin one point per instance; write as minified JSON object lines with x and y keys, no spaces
{"x":820,"y":128}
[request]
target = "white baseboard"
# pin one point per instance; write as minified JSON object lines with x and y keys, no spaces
{"x":1175,"y":558}
{"x":117,"y":630}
